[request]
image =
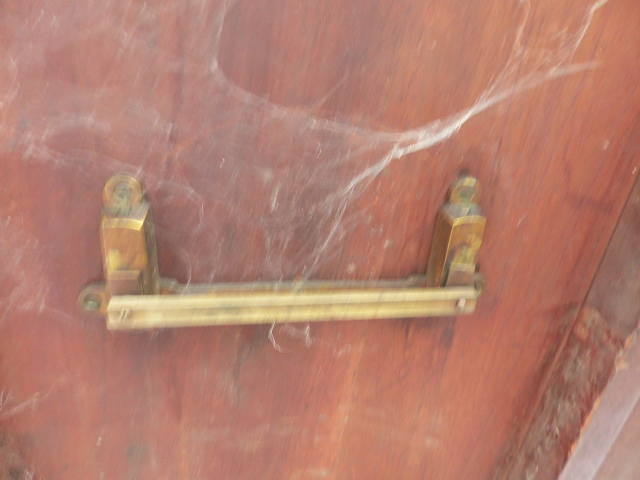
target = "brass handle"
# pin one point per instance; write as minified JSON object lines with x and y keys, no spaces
{"x":134,"y":296}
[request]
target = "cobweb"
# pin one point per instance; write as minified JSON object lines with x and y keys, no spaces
{"x":307,"y":171}
{"x":335,"y":162}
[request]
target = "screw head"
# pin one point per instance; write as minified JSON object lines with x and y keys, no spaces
{"x":91,"y":302}
{"x":466,"y":190}
{"x":121,"y":193}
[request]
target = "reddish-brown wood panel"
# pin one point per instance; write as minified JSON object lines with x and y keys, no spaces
{"x":608,"y":445}
{"x":584,"y":364}
{"x":283,"y":140}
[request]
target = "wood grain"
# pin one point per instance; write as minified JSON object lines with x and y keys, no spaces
{"x":586,"y":361}
{"x":608,"y":444}
{"x":280,"y":141}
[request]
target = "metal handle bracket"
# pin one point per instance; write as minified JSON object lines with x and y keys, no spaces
{"x":134,"y":296}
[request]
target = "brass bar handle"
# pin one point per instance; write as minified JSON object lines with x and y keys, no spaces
{"x":134,"y":296}
{"x":159,"y":311}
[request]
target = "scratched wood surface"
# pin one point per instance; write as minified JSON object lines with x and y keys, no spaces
{"x":583,"y":367}
{"x":309,"y":140}
{"x":608,"y":446}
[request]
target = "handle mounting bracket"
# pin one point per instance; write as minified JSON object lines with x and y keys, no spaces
{"x":134,"y":296}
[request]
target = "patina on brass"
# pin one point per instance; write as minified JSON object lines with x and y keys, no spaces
{"x":457,"y":237}
{"x":128,"y":239}
{"x":135,"y":297}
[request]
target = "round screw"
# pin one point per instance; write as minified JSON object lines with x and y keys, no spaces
{"x":121,"y":193}
{"x":465,"y":191}
{"x":92,"y":302}
{"x":478,"y":283}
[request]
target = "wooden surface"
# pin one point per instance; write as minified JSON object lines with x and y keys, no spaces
{"x":622,"y":461}
{"x":586,"y":360}
{"x":608,"y":446}
{"x":283,"y":140}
